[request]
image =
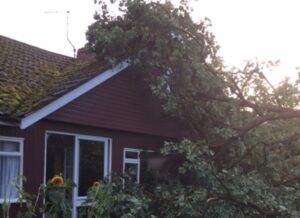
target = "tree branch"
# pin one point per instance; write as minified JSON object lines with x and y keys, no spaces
{"x":246,"y":103}
{"x":286,"y":180}
{"x":282,"y":140}
{"x":265,"y":213}
{"x":222,"y":146}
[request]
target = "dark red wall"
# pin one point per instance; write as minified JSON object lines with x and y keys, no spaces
{"x":34,"y":142}
{"x":120,"y":139}
{"x":121,"y":103}
{"x":33,"y":165}
{"x":120,"y":108}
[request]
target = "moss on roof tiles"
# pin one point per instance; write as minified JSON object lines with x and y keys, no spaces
{"x":30,"y":77}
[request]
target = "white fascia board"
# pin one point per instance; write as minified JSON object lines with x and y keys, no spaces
{"x":70,"y":96}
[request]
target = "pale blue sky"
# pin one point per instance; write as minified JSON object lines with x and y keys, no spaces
{"x":245,"y":29}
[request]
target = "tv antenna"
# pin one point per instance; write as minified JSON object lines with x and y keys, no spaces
{"x":68,"y":39}
{"x":74,"y":49}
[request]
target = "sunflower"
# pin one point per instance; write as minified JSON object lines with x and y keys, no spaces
{"x":96,"y":184}
{"x":57,"y":181}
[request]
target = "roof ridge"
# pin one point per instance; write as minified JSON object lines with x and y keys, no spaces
{"x":36,"y":47}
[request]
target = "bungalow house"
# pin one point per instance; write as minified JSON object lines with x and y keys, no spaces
{"x":74,"y":117}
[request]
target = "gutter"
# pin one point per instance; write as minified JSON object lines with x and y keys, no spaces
{"x":9,"y":123}
{"x":5,"y":120}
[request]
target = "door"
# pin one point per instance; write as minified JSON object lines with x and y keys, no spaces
{"x":84,"y":159}
{"x":91,"y":164}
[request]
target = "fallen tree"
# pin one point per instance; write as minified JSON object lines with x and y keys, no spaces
{"x":246,"y":154}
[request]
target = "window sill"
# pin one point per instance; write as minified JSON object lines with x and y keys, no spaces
{"x":9,"y":201}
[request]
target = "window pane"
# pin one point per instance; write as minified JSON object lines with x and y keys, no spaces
{"x":131,"y":170}
{"x":91,"y":164}
{"x":60,"y":153}
{"x":131,"y":154}
{"x":9,"y":146}
{"x":9,"y":172}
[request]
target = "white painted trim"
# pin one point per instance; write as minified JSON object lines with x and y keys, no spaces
{"x":12,"y":200}
{"x":60,"y":133}
{"x":76,"y":176}
{"x":22,"y":159}
{"x":70,"y":96}
{"x":88,"y":137}
{"x":12,"y":139}
{"x":11,"y":153}
{"x":78,"y":200}
{"x":105,"y":161}
{"x":20,"y":154}
{"x":45,"y":157}
{"x":109,"y":141}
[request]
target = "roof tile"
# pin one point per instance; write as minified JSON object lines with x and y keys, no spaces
{"x":31,"y":77}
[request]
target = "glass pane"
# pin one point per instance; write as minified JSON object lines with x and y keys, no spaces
{"x":132,"y":154}
{"x":9,"y":172}
{"x":9,"y":146}
{"x":60,"y":153}
{"x":91,"y":164}
{"x":131,"y":170}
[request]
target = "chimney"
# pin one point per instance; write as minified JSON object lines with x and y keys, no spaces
{"x":82,"y":53}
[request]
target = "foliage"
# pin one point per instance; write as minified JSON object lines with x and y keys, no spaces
{"x":244,"y":150}
{"x":113,"y":199}
{"x":101,"y":202}
{"x":27,"y":201}
{"x":132,"y":201}
{"x":55,"y":194}
{"x":24,"y":198}
{"x":57,"y":198}
{"x":5,"y":207}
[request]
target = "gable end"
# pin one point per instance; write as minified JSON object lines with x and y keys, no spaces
{"x":70,"y":96}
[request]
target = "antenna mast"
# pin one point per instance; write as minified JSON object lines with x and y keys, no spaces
{"x":74,"y":49}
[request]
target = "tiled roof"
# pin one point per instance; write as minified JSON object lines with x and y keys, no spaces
{"x":31,"y":77}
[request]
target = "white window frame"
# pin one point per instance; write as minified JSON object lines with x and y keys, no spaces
{"x":136,"y":161}
{"x":20,"y":154}
{"x":78,"y":200}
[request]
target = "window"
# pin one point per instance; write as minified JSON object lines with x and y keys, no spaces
{"x":81,"y":158}
{"x":131,"y":164}
{"x":11,"y":162}
{"x":60,"y":156}
{"x":91,"y":164}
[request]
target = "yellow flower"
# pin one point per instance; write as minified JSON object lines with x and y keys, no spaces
{"x":96,"y":184}
{"x":57,"y":181}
